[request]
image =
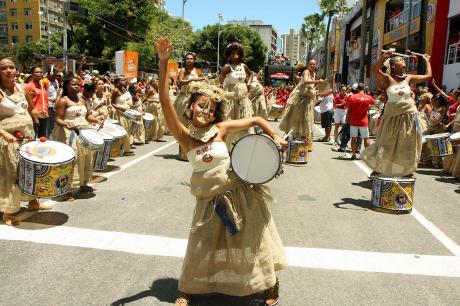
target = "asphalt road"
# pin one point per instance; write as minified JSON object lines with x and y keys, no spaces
{"x":124,"y":244}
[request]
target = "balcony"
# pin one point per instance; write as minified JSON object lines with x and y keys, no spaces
{"x":403,"y":17}
{"x":453,"y":55}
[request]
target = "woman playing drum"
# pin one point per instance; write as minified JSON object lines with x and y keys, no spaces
{"x":73,"y":114}
{"x":122,"y":101}
{"x":16,"y":125}
{"x":398,"y":145}
{"x":216,"y":261}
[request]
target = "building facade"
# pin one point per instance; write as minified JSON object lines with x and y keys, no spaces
{"x":29,"y":20}
{"x":451,"y":73}
{"x":293,"y":47}
{"x":267,"y":32}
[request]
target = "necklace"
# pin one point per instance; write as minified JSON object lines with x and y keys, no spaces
{"x":203,"y":134}
{"x":401,"y":77}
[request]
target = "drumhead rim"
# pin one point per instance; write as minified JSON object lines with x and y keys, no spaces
{"x":280,"y":167}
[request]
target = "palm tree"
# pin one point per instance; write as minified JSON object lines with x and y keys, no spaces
{"x":312,"y":30}
{"x":329,"y":9}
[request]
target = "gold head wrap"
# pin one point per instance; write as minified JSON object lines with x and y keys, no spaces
{"x":211,"y":91}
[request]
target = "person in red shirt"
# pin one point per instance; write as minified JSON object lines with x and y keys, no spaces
{"x":340,"y":111}
{"x":358,"y":106}
{"x":37,"y":88}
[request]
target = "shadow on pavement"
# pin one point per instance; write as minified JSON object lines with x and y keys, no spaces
{"x":43,"y":220}
{"x":165,"y":290}
{"x":109,"y":168}
{"x":364,"y":204}
{"x":429,"y":171}
{"x":169,"y":156}
{"x":446,"y":179}
{"x":367,"y":184}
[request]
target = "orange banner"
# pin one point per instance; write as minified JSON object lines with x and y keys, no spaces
{"x":173,"y":69}
{"x":131,"y":64}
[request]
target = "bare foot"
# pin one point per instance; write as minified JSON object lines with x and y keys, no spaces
{"x":87,"y":189}
{"x":10,"y":220}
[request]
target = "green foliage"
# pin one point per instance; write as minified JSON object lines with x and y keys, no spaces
{"x":205,"y":44}
{"x":23,"y":54}
{"x":312,"y":30}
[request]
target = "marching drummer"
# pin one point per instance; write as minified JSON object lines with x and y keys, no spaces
{"x":252,"y":251}
{"x":122,"y":101}
{"x":72,"y":114}
{"x":17,"y":118}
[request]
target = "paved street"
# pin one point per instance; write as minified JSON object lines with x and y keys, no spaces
{"x":124,"y":245}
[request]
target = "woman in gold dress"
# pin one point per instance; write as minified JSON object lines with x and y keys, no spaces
{"x":218,"y":260}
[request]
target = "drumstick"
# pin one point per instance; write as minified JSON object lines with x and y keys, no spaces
{"x":288,"y":134}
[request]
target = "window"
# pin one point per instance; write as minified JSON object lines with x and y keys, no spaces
{"x":13,"y":12}
{"x":3,"y":41}
{"x":14,"y":39}
{"x":28,"y":11}
{"x":13,"y":1}
{"x":2,"y":4}
{"x":28,"y":25}
{"x":29,"y":39}
{"x":26,"y":1}
{"x":3,"y":28}
{"x":14,"y":26}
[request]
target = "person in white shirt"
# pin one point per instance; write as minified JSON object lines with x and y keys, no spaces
{"x":52,"y":93}
{"x":326,"y":108}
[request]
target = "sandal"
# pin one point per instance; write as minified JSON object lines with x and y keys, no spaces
{"x":183,"y":299}
{"x":10,"y":220}
{"x":273,"y":296}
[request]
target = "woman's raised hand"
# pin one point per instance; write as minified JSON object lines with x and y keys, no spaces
{"x":164,"y":48}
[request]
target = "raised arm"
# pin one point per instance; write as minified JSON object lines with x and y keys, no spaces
{"x":223,"y":73}
{"x":378,"y":66}
{"x":419,"y":78}
{"x":438,"y":89}
{"x":177,"y":129}
{"x":248,"y":75}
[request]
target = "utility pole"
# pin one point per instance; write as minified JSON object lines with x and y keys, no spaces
{"x":183,"y":29}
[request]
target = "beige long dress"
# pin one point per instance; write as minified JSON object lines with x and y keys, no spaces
{"x":99,"y":107}
{"x":215,"y":261}
{"x":257,"y":97}
{"x":239,"y":106}
{"x":398,"y":145}
{"x":139,"y":135}
{"x":123,"y":101}
{"x":13,"y":117}
{"x":84,"y":158}
{"x":299,"y":114}
{"x":451,"y":163}
{"x":157,"y":131}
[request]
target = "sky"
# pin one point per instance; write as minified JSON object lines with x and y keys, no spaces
{"x":282,"y":14}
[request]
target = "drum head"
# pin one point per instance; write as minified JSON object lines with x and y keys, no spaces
{"x":148,"y":117}
{"x":105,"y":135}
{"x":113,"y":121}
{"x":116,"y":131}
{"x":277,"y":106}
{"x":92,"y":136}
{"x":255,"y":159}
{"x":455,"y":136}
{"x":48,"y":152}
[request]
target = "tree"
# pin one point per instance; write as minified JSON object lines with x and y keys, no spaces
{"x":24,"y":54}
{"x":312,"y":30}
{"x":205,"y":44}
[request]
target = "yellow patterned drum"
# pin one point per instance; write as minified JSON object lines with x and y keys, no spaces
{"x":439,"y":144}
{"x":45,"y":168}
{"x":297,"y":152}
{"x":393,"y":194}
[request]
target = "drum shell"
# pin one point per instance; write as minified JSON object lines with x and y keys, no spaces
{"x":297,"y":152}
{"x":45,"y":180}
{"x":102,"y":155}
{"x":396,"y":195}
{"x":117,"y":147}
{"x":132,"y":115}
{"x":439,"y":146}
{"x":147,"y":123}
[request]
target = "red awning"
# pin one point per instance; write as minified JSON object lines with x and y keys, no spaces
{"x":279,"y":75}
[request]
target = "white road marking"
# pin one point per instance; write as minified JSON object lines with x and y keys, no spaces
{"x":345,"y":260}
{"x":429,"y":226}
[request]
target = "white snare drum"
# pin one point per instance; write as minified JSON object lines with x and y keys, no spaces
{"x":135,"y":127}
{"x":112,"y":121}
{"x":317,"y":117}
{"x":119,"y":134}
{"x":393,"y":194}
{"x":90,"y":139}
{"x":277,"y":107}
{"x":439,"y":144}
{"x":297,"y":152}
{"x":256,"y":159}
{"x":103,"y":154}
{"x":132,"y":114}
{"x":45,"y":168}
{"x":148,"y":120}
{"x":455,"y":139}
